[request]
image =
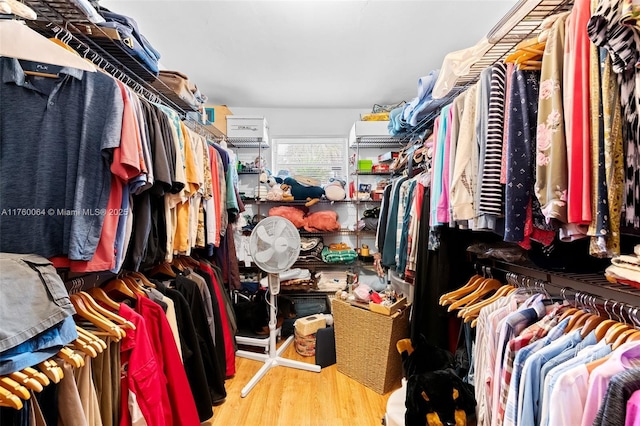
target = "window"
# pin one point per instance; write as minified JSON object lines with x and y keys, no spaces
{"x":320,"y":158}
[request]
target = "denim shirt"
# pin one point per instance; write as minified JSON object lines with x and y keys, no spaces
{"x":561,"y":358}
{"x":39,"y":348}
{"x":511,"y":410}
{"x":530,"y":389}
{"x":589,"y":354}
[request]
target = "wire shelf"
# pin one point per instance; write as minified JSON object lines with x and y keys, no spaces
{"x":248,"y":142}
{"x":63,"y":20}
{"x":520,"y":23}
{"x":379,"y":142}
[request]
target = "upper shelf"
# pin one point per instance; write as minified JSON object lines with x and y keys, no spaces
{"x":520,"y":23}
{"x":523,"y":21}
{"x":63,"y":20}
{"x":373,"y":134}
{"x":248,"y":143}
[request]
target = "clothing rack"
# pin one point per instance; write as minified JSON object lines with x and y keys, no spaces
{"x":523,"y":21}
{"x":562,"y":282}
{"x":61,"y":19}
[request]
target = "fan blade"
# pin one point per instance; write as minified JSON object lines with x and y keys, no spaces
{"x":283,"y":261}
{"x":280,"y":227}
{"x":293,"y":243}
{"x":264,"y":235}
{"x":264,"y":255}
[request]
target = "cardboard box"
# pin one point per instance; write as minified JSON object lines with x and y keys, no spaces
{"x":310,"y":324}
{"x":388,"y":156}
{"x":366,"y":345}
{"x":388,"y":310}
{"x":217,"y":115}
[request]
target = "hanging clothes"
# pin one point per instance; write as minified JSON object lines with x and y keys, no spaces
{"x":577,"y":116}
{"x":522,"y":121}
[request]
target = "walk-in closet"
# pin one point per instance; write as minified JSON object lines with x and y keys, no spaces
{"x":275,"y":213}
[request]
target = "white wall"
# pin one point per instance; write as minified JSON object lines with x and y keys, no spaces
{"x":305,"y":121}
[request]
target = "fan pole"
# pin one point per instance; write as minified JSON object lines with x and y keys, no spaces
{"x":273,"y":358}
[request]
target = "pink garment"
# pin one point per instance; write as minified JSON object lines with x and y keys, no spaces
{"x":436,"y":127}
{"x":569,"y":391}
{"x":623,"y":358}
{"x":577,"y":113}
{"x":443,"y":203}
{"x":632,"y":417}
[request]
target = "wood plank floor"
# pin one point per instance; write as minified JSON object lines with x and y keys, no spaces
{"x":291,"y":397}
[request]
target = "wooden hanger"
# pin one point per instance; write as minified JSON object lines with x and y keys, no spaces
{"x":99,"y":294}
{"x":88,"y":343}
{"x":623,"y":338}
{"x":450,"y":297}
{"x":85,"y":346}
{"x":473,"y":311}
{"x":117,"y":286}
{"x":41,"y":74}
{"x":576,"y":321}
{"x":591,"y":324}
{"x":485,"y":287}
{"x":134,"y":286}
{"x":122,"y":322}
{"x":71,"y":357}
{"x":568,"y":313}
{"x":14,"y":387}
{"x":36,"y":375}
{"x":91,"y":339}
{"x":95,"y":318}
{"x":26,"y":381}
{"x":8,"y":399}
{"x":633,"y":337}
{"x":527,"y":50}
{"x":145,"y":281}
{"x":615,"y":331}
{"x":529,"y":65}
{"x":51,"y":370}
{"x":163,"y":268}
{"x":177,"y":262}
{"x":603,"y":327}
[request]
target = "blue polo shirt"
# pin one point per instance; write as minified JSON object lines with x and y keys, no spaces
{"x":56,"y":140}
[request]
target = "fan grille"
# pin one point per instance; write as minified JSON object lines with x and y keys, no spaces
{"x":274,"y":244}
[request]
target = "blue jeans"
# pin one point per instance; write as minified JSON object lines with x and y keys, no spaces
{"x":38,"y":348}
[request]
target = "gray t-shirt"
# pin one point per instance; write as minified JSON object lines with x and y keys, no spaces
{"x":56,"y":141}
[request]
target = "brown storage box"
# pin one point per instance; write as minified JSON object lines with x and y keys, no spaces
{"x":220,"y":113}
{"x":366,"y":345}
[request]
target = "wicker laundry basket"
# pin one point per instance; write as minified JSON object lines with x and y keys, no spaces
{"x":366,"y":345}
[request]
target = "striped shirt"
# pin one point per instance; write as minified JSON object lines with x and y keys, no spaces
{"x":491,"y":191}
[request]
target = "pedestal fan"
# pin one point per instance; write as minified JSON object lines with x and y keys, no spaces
{"x":274,"y":246}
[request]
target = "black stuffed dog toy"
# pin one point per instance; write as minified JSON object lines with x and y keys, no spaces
{"x":436,"y":396}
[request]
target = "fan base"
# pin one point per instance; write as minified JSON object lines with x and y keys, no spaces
{"x":273,"y":361}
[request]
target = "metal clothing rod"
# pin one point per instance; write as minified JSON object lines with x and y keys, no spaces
{"x":558,"y":282}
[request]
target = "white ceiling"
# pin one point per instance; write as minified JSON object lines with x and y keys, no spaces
{"x":309,"y":54}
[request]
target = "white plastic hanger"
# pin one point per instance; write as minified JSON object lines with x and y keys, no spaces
{"x":29,"y":45}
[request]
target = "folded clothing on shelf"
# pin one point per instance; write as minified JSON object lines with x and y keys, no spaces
{"x":131,"y":41}
{"x":180,"y":84}
{"x":331,"y":280}
{"x":311,"y":248}
{"x":342,"y":256}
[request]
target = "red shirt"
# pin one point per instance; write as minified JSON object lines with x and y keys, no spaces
{"x":180,"y":407}
{"x":139,"y":373}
